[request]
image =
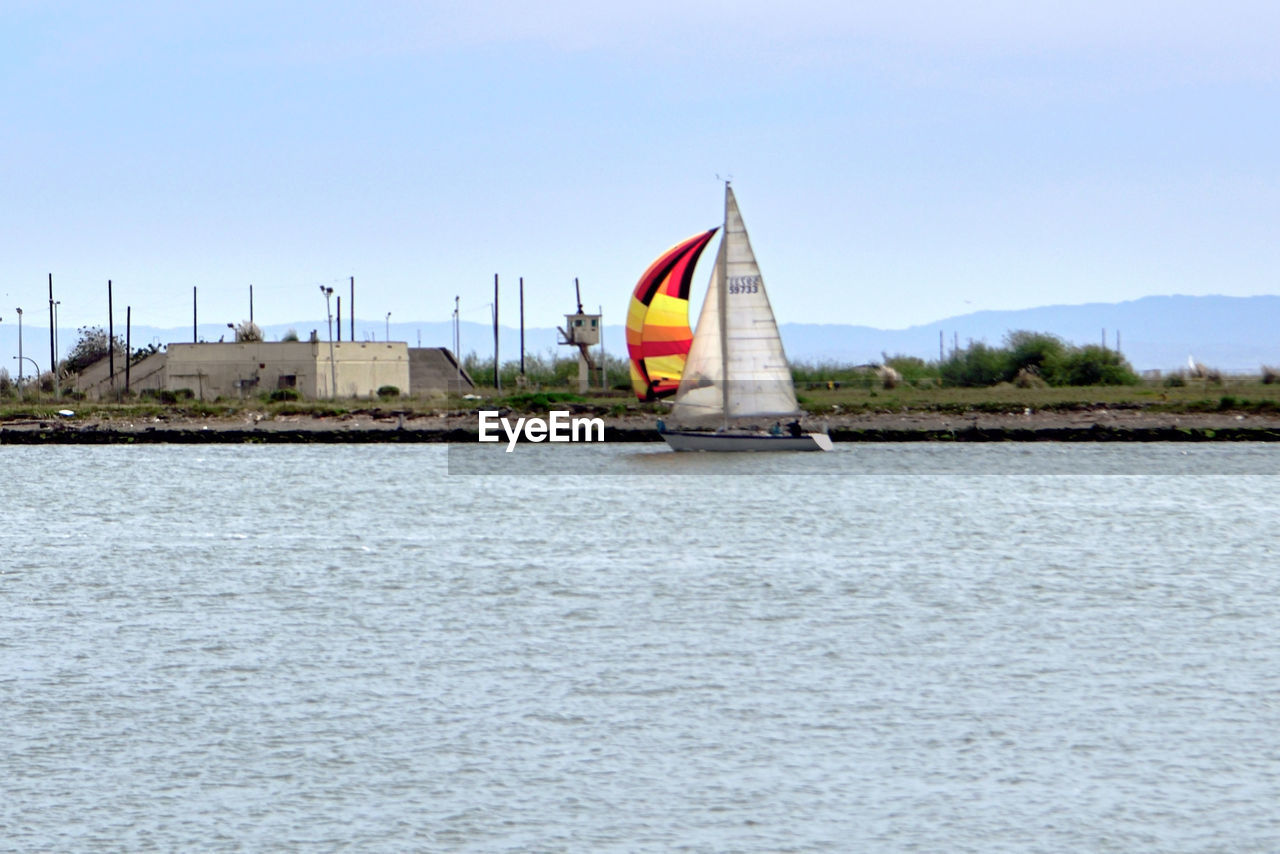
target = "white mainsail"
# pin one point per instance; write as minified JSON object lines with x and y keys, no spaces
{"x":736,"y":367}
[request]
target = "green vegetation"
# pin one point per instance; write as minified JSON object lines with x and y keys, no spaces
{"x":168,"y":396}
{"x":1031,"y":371}
{"x":538,"y":401}
{"x":547,"y":370}
{"x":1231,"y":394}
{"x":247,"y":330}
{"x":1027,"y":359}
{"x":1246,"y":394}
{"x":1031,"y":359}
{"x":92,"y":344}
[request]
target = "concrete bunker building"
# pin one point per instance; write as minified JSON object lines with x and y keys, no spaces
{"x":246,"y":368}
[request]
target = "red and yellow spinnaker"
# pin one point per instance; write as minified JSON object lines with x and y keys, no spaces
{"x":658,"y":333}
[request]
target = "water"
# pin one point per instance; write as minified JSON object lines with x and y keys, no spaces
{"x":315,"y":648}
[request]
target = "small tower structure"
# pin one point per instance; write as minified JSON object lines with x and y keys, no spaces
{"x":581,"y":330}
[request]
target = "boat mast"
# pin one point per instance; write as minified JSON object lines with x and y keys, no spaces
{"x":722,"y":283}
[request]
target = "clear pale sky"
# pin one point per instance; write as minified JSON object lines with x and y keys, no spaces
{"x":895,"y":163}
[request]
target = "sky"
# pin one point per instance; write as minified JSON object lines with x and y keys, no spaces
{"x":895,"y":163}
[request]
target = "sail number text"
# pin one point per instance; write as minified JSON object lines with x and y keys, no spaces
{"x":744,"y":284}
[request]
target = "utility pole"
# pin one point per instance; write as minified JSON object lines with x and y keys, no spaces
{"x":497,"y":378}
{"x":111,"y":338}
{"x":20,"y":349}
{"x":53,"y":341}
{"x":57,"y":385}
{"x":128,"y":344}
{"x":522,"y":327}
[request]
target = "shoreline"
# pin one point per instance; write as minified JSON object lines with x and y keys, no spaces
{"x":1099,"y":424}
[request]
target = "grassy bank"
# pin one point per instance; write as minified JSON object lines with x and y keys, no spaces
{"x":1229,"y":395}
{"x":1243,"y":395}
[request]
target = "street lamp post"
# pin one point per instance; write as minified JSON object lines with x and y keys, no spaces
{"x":387,"y":336}
{"x":333,"y":369}
{"x":20,"y":348}
{"x":22,"y":359}
{"x":57,"y":387}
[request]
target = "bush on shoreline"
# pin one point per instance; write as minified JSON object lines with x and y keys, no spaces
{"x":1027,"y":359}
{"x":1034,"y":354}
{"x":542,"y":370}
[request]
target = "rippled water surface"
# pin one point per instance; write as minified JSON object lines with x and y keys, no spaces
{"x":316,"y":648}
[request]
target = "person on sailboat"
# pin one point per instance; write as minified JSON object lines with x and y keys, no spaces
{"x":776,"y":429}
{"x":794,"y":428}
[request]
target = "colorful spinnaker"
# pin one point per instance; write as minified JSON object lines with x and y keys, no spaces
{"x":658,"y":333}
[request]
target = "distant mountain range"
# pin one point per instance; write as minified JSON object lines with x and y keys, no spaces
{"x":1233,"y":334}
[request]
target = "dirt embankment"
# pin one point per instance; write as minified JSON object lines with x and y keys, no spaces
{"x":1095,"y":424}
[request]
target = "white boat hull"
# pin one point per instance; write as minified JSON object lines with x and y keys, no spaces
{"x":742,"y":441}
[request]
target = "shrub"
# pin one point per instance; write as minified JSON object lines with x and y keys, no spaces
{"x":1034,"y":359}
{"x":828,"y":374}
{"x":387,"y":391}
{"x":1092,"y":365}
{"x":165,"y":395}
{"x":912,"y":369}
{"x":539,"y":401}
{"x":1269,"y":375}
{"x":1036,"y":352}
{"x":977,"y":366}
{"x":283,"y":394}
{"x":1175,"y":381}
{"x":247,"y":330}
{"x":1029,"y":378}
{"x":143,"y":352}
{"x":92,"y":345}
{"x":546,"y":370}
{"x":290,"y":335}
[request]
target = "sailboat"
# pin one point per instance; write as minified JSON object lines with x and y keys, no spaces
{"x":736,"y":377}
